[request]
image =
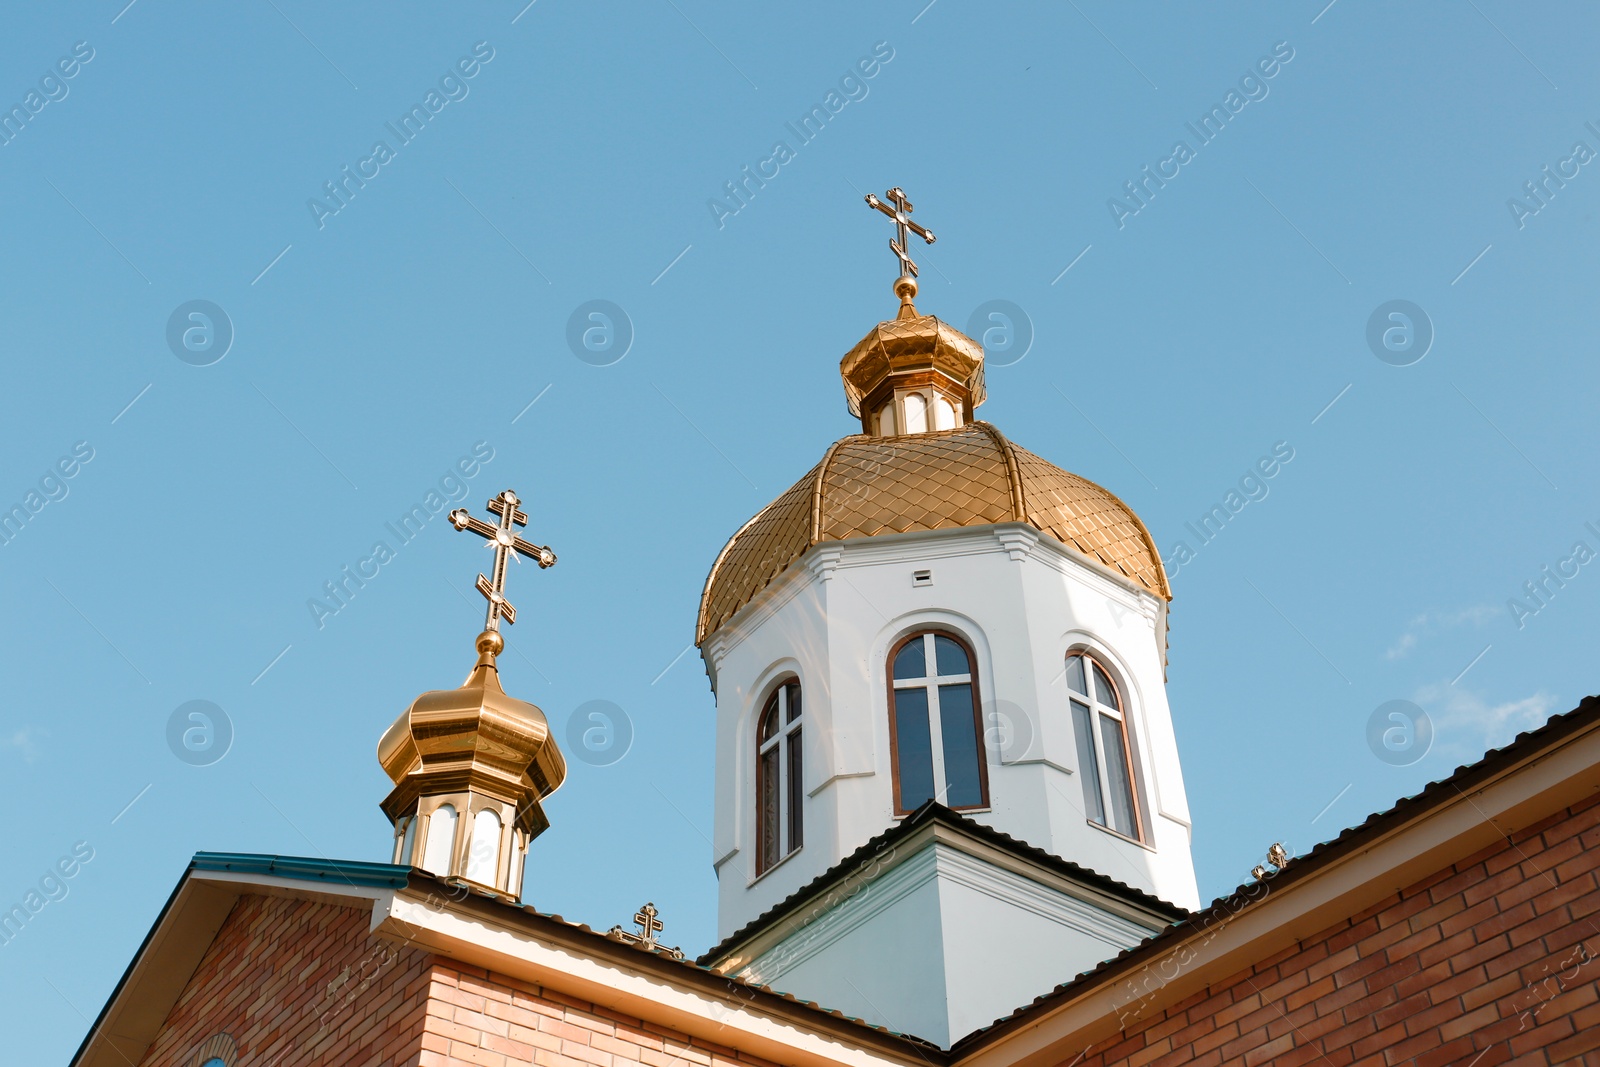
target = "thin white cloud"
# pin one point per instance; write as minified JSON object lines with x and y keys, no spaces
{"x":23,"y":741}
{"x":1466,"y":724}
{"x":1402,"y":647}
{"x":1430,"y":622}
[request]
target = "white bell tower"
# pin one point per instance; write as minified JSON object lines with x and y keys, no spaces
{"x":947,"y":779}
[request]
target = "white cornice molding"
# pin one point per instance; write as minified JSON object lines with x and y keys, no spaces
{"x":832,"y":919}
{"x":737,"y":1017}
{"x":879,"y":866}
{"x":761,"y":607}
{"x":1020,"y":541}
{"x":840,"y":913}
{"x":1098,"y":577}
{"x":822,"y":559}
{"x":1031,"y":896}
{"x":1017,"y":540}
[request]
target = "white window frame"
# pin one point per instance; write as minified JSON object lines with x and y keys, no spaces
{"x":931,"y":682}
{"x":781,"y":740}
{"x":1096,"y":709}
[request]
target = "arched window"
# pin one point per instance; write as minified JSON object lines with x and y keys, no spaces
{"x":441,"y":844}
{"x":483,"y":854}
{"x":1105,"y":757}
{"x":935,"y":737}
{"x":885,"y":425}
{"x":779,"y":789}
{"x":916,"y":413}
{"x":218,"y":1050}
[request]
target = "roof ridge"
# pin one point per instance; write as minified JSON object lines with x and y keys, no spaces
{"x":1019,"y":499}
{"x":716,"y":567}
{"x":932,"y":811}
{"x":1138,"y":524}
{"x":815,"y":534}
{"x":1525,"y":745}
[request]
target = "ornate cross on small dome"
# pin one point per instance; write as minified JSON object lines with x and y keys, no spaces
{"x":649,"y":927}
{"x":900,"y":211}
{"x":505,"y":542}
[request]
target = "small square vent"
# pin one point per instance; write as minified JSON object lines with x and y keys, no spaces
{"x":921,"y":578}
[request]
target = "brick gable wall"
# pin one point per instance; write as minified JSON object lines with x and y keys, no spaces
{"x":1493,"y":960}
{"x":298,"y":983}
{"x":484,"y":1019}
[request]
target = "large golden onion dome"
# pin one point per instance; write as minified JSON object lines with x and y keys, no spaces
{"x":919,"y":374}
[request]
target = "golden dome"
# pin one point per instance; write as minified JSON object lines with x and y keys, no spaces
{"x":970,"y":476}
{"x":894,"y":352}
{"x":476,"y":737}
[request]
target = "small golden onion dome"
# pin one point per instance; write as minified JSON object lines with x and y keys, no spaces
{"x":912,"y":352}
{"x":868,"y":486}
{"x":473,"y":738}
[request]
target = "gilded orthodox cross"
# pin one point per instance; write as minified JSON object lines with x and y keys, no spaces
{"x":649,"y":927}
{"x":900,"y":211}
{"x":505,"y":542}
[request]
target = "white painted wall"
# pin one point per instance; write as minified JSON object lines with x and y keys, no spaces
{"x":1022,"y":601}
{"x":940,"y":944}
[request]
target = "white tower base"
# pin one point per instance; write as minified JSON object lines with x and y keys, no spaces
{"x":939,"y":927}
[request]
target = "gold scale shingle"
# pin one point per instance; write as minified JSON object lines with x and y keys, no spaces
{"x":972,"y":476}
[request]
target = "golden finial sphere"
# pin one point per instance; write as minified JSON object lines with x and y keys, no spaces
{"x":905,"y":287}
{"x":491,"y":642}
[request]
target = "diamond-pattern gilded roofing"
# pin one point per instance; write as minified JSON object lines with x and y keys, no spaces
{"x":972,"y":476}
{"x":930,"y":481}
{"x":759,"y":552}
{"x":920,"y":340}
{"x":1082,"y":515}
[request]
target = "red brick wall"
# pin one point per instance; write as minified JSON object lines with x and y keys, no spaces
{"x":295,"y":983}
{"x":489,"y":1020}
{"x":1491,"y":961}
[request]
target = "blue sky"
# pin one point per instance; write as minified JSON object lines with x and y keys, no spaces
{"x":375,"y":346}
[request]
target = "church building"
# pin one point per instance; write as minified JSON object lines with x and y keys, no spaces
{"x":950,"y":826}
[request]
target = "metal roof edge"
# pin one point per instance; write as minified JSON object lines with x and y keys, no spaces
{"x":351,"y":872}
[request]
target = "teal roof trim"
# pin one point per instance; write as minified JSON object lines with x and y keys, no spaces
{"x":346,"y":872}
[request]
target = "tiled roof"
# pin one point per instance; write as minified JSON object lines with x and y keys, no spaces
{"x":930,"y":812}
{"x":390,"y":876}
{"x":971,"y":476}
{"x":1352,"y":840}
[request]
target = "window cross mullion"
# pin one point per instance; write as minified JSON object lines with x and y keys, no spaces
{"x":941,"y":786}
